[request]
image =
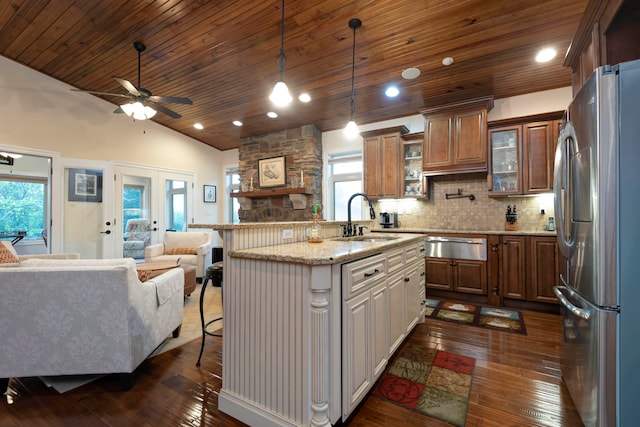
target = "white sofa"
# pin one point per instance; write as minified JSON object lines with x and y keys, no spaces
{"x":190,"y":247}
{"x":72,"y":317}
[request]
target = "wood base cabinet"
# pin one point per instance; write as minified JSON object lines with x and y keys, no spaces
{"x":456,"y":275}
{"x":531,"y":267}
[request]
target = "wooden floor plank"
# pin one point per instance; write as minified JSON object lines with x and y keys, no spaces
{"x":516,"y":382}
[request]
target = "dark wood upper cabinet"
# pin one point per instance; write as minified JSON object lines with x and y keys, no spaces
{"x":522,"y":154}
{"x":455,"y":137}
{"x":607,"y":34}
{"x":382,"y":162}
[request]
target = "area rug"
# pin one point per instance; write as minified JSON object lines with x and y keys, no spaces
{"x":501,"y":319}
{"x":434,"y":382}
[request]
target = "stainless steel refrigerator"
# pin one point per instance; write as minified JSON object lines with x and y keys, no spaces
{"x":597,"y":207}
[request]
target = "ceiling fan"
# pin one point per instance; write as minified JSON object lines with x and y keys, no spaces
{"x":143,"y":104}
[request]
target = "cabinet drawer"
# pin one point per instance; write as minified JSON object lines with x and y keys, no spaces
{"x":395,"y":260}
{"x":414,"y":252}
{"x":359,"y":275}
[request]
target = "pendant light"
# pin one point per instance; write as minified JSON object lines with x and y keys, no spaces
{"x":351,"y":130}
{"x":280,"y":95}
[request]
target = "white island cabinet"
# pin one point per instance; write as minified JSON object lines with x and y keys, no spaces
{"x":307,"y":325}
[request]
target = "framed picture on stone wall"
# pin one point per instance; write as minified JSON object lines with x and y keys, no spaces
{"x":271,"y":172}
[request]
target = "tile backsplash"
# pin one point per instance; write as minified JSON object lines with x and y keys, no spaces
{"x":482,"y":213}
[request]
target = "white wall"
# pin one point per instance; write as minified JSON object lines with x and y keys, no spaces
{"x":41,"y":113}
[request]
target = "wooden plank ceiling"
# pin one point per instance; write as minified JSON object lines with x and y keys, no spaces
{"x":222,"y":54}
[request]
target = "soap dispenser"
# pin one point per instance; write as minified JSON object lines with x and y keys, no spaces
{"x":552,"y":224}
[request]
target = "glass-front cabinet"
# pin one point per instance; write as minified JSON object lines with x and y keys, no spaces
{"x":504,"y":153}
{"x":412,"y":167}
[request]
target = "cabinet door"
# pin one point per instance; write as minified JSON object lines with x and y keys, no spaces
{"x":411,"y":170}
{"x":539,"y":152}
{"x":413,"y":306}
{"x":439,"y":273}
{"x":397,"y":301}
{"x":389,"y":178}
{"x":513,"y":267}
{"x":379,"y":328}
{"x":505,"y":160}
{"x":470,"y":141}
{"x":372,"y":166}
{"x":356,"y":350}
{"x":545,"y":260}
{"x":438,"y":142}
{"x":470,"y":276}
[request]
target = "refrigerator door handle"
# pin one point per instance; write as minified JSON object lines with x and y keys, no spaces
{"x":583,"y":314}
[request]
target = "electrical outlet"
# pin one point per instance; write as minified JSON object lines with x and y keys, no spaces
{"x":287,"y":233}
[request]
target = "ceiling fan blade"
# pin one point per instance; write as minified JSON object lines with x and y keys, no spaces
{"x":170,"y":99}
{"x":128,"y":86}
{"x":102,"y":93}
{"x":164,"y":110}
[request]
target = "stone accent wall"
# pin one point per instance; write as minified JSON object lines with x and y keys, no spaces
{"x":302,"y":148}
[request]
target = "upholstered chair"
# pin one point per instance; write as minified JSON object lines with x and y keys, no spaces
{"x":137,"y":236}
{"x":193,"y":247}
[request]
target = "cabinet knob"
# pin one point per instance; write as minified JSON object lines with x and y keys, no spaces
{"x":406,"y":279}
{"x":494,"y":248}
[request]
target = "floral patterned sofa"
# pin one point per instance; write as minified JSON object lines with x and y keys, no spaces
{"x":83,"y":316}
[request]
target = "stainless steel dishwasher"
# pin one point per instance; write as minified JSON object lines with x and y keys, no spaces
{"x":471,"y":248}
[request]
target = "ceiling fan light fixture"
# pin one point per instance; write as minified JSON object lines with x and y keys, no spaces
{"x":351,"y":130}
{"x":138,"y":110}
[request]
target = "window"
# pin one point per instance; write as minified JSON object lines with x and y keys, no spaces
{"x":345,"y":179}
{"x":233,"y":186}
{"x":23,"y":205}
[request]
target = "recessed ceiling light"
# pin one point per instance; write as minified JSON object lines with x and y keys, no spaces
{"x":304,"y":97}
{"x":392,"y":91}
{"x":237,"y":123}
{"x":546,"y":55}
{"x":410,"y":73}
{"x":272,"y":114}
{"x":198,"y":126}
{"x":447,"y":61}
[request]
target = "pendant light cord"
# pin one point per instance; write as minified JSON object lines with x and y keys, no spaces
{"x":281,"y":57}
{"x":354,"y":24}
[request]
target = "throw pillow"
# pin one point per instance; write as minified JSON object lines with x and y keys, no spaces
{"x":8,"y":254}
{"x":181,"y":251}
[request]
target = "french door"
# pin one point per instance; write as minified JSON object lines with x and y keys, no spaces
{"x":86,"y":208}
{"x":163,"y":199}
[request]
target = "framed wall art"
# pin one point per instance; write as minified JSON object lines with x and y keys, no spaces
{"x":271,"y":172}
{"x":85,"y":185}
{"x":209,"y":194}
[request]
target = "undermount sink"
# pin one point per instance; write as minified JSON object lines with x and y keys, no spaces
{"x":367,"y":238}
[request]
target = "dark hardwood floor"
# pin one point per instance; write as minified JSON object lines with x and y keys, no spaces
{"x":516,"y":382}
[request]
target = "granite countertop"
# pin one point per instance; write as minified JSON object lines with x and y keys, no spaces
{"x":382,"y":230}
{"x":329,"y":251}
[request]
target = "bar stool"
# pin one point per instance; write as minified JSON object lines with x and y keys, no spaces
{"x":213,"y":273}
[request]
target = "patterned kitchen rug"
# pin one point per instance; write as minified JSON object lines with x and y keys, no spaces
{"x":501,"y":319}
{"x":434,"y":382}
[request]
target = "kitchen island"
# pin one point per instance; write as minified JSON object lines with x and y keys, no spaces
{"x":308,"y":327}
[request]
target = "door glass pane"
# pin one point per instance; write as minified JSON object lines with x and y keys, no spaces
{"x":176,"y":205}
{"x":136,"y":215}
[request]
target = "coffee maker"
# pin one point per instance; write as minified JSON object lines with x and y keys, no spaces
{"x":388,"y":219}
